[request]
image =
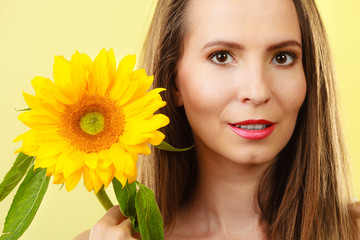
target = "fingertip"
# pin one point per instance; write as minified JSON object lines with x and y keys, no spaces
{"x":114,"y":208}
{"x":129,"y":230}
{"x":114,"y":215}
{"x":137,"y":235}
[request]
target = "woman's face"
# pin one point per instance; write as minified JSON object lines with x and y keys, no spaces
{"x":241,"y":78}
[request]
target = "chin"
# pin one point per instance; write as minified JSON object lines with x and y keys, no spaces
{"x":254,"y":160}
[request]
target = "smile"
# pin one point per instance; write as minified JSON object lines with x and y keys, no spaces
{"x":253,"y":126}
{"x":253,"y":129}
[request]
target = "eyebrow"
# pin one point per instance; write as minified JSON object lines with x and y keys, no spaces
{"x":238,"y":46}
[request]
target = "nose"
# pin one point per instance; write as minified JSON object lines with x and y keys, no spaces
{"x":255,"y":86}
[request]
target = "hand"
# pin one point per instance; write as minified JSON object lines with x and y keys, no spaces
{"x":112,"y":226}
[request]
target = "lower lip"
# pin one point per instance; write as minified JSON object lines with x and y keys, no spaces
{"x":253,"y":134}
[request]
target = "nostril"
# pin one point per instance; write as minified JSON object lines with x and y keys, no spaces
{"x":246,"y":100}
{"x":255,"y":101}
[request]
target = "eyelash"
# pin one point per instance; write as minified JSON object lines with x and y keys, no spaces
{"x":211,"y":57}
{"x":291,"y":54}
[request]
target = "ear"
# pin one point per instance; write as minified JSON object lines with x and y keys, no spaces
{"x":178,"y":98}
{"x":177,"y":94}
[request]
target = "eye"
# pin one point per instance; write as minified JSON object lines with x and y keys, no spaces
{"x":284,"y":58}
{"x":222,"y":58}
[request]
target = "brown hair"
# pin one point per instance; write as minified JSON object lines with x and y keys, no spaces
{"x":305,"y":198}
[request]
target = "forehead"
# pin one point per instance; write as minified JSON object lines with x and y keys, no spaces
{"x":250,"y":22}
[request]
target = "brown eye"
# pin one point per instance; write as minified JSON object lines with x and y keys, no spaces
{"x":221,"y":58}
{"x":281,"y":59}
{"x":284,"y":58}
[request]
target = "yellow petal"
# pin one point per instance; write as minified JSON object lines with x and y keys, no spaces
{"x":156,"y":137}
{"x":87,"y":179}
{"x":130,"y":169}
{"x":32,"y":101}
{"x":34,"y":119}
{"x":135,"y":86}
{"x":141,"y":148}
{"x":145,"y":106}
{"x":120,"y":164}
{"x":62,"y":75}
{"x":126,"y":66}
{"x":30,"y":150}
{"x":118,"y":157}
{"x":125,"y":97}
{"x":111,"y":67}
{"x":50,"y":149}
{"x":106,"y":160}
{"x":46,"y":91}
{"x":30,"y":145}
{"x":106,"y":176}
{"x":36,"y":165}
{"x":73,"y":163}
{"x":48,"y":162}
{"x":131,"y":179}
{"x":38,"y":105}
{"x":91,"y":160}
{"x":21,"y":137}
{"x":73,"y":180}
{"x":122,"y":179}
{"x":59,"y":179}
{"x":49,"y":172}
{"x":121,"y":84}
{"x":18,"y":150}
{"x":138,"y":131}
{"x":80,"y":70}
{"x":95,"y":180}
{"x":100,"y":73}
{"x":39,"y":136}
{"x":143,"y":82}
{"x":147,"y":125}
{"x":62,"y":160}
{"x":133,"y":138}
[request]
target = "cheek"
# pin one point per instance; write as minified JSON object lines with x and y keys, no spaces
{"x":291,"y":92}
{"x":201,"y":91}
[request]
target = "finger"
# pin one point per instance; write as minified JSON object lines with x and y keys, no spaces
{"x":101,"y":231}
{"x":137,"y":235}
{"x":134,"y":233}
{"x":126,"y":229}
{"x":113,"y":216}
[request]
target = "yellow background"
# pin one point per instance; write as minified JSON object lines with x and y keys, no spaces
{"x":32,"y":32}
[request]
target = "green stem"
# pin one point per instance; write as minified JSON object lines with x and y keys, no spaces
{"x":104,"y":199}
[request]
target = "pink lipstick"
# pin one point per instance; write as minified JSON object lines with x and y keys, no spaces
{"x":253,"y":129}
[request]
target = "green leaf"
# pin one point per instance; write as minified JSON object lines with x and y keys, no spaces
{"x":23,"y":110}
{"x":167,"y":147}
{"x":25,"y":204}
{"x":16,"y":173}
{"x":126,"y":199}
{"x":149,"y":216}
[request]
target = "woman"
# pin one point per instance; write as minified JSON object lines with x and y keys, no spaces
{"x":249,"y":82}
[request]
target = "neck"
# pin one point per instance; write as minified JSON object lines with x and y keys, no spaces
{"x":225,"y":197}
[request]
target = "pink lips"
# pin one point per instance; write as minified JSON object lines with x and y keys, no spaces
{"x":253,"y":134}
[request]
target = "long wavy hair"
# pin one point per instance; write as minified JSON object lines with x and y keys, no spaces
{"x":305,"y":198}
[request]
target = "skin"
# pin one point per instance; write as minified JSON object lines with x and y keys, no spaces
{"x":246,"y":81}
{"x":233,"y":69}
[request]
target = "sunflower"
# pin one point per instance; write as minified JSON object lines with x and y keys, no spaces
{"x":93,"y":121}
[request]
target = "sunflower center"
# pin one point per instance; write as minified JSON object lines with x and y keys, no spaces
{"x":92,"y":123}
